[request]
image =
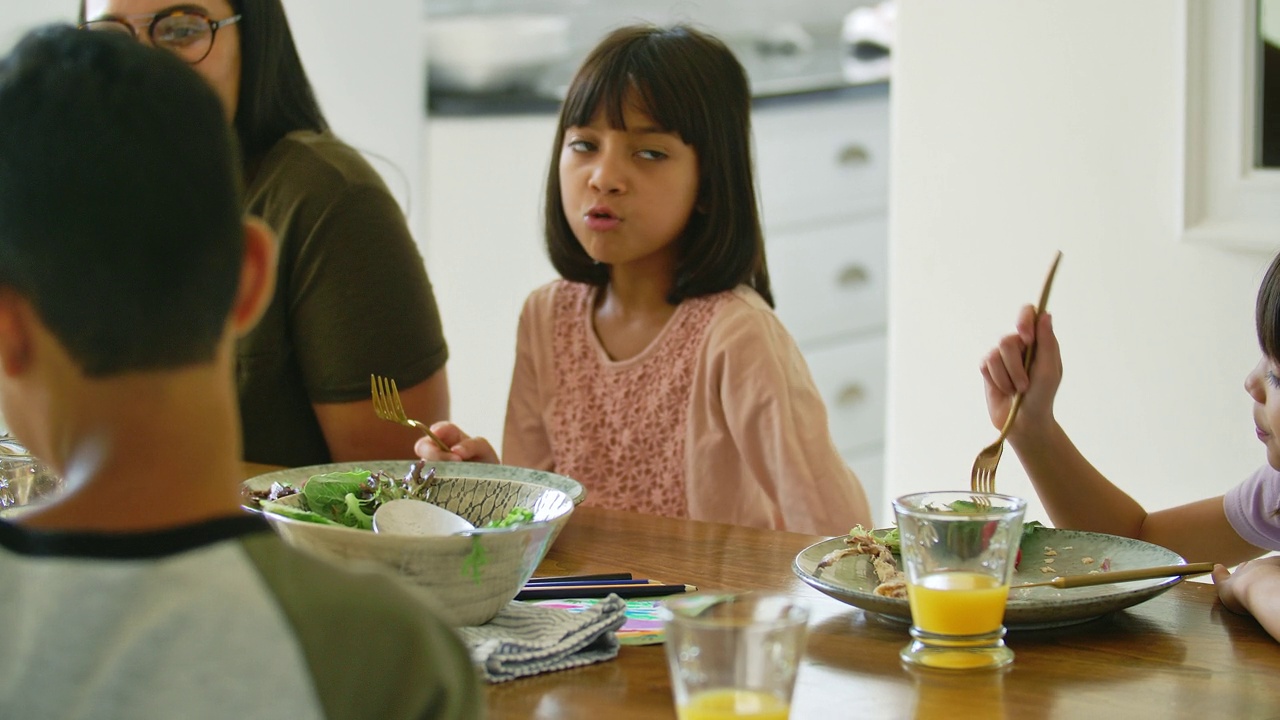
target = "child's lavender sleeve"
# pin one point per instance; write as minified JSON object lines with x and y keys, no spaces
{"x":1252,"y":506}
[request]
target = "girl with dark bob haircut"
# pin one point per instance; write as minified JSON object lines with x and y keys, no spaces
{"x":350,"y":275}
{"x":656,"y":373}
{"x":1238,"y":526}
{"x":691,"y":84}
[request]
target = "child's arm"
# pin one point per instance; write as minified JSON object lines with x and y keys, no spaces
{"x":772,"y":421}
{"x":1254,"y":588}
{"x":461,"y":446}
{"x":1074,"y":493}
{"x":525,"y":441}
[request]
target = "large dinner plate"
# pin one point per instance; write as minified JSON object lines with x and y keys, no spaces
{"x":852,"y":580}
{"x":398,"y":468}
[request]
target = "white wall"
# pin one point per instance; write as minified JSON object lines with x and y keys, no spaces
{"x":1020,"y":128}
{"x":366,"y":63}
{"x":20,"y":16}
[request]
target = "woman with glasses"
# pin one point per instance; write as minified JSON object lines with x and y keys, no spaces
{"x":352,"y":295}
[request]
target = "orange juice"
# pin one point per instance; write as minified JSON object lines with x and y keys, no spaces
{"x":728,"y":704}
{"x":957,"y":603}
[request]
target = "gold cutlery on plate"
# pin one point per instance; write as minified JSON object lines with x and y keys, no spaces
{"x":386,"y":405}
{"x":1103,"y":578}
{"x":982,"y":479}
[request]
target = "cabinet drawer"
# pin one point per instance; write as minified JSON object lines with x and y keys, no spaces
{"x":868,"y":465}
{"x":822,"y":160}
{"x":832,"y":281}
{"x":851,"y":380}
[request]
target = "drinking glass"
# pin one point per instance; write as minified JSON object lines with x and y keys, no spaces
{"x":958,"y":553}
{"x":734,"y":655}
{"x":24,"y":480}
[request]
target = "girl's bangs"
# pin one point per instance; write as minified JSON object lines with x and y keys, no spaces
{"x":603,"y":92}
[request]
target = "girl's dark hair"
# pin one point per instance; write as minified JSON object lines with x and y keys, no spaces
{"x":1267,"y":311}
{"x":275,"y":96}
{"x":1267,"y":314}
{"x":689,"y":83}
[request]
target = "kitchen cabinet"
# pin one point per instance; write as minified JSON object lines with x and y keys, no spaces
{"x":822,"y":162}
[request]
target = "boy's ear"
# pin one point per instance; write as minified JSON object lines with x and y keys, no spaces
{"x":257,"y":275}
{"x":15,"y":333}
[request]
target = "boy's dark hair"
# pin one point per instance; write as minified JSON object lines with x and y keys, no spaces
{"x":690,"y":84}
{"x":120,"y":214}
{"x":275,"y":97}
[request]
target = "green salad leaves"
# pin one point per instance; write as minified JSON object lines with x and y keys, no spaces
{"x":892,"y":540}
{"x":340,"y":498}
{"x":350,"y":498}
{"x":517,"y":516}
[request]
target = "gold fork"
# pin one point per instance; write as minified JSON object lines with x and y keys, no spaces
{"x":386,"y":405}
{"x":983,"y":477}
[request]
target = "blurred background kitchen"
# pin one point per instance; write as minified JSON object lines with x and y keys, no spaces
{"x":1014,"y":129}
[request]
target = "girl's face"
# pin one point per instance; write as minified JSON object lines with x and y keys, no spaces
{"x":221,"y":67}
{"x":1263,"y":385}
{"x":627,"y":194}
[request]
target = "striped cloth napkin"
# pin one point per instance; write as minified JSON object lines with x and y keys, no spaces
{"x":525,"y":639}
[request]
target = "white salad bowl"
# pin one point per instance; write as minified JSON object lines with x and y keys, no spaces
{"x":470,"y":577}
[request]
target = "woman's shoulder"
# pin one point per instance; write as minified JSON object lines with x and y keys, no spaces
{"x":305,"y":161}
{"x":319,"y":149}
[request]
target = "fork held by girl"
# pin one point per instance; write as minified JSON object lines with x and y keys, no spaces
{"x":655,"y":372}
{"x":1234,"y":528}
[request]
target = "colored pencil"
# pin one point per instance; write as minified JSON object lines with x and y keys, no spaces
{"x":599,"y":591}
{"x":578,"y":578}
{"x":586,"y":583}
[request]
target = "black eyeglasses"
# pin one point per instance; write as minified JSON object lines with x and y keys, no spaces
{"x":186,"y":33}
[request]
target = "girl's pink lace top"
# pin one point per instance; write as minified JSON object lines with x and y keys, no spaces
{"x":718,"y":419}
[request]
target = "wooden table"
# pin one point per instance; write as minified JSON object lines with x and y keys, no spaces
{"x":1178,"y":655}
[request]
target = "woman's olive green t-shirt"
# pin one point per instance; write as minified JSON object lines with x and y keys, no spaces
{"x":352,"y":298}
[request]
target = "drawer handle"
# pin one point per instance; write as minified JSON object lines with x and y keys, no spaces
{"x":853,"y":155}
{"x":853,"y":276}
{"x":851,"y":395}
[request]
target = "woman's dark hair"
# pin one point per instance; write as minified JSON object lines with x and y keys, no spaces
{"x":689,"y":83}
{"x":275,"y":96}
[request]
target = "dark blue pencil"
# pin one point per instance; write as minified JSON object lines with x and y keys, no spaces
{"x":559,"y":583}
{"x":579,"y":578}
{"x":599,"y":591}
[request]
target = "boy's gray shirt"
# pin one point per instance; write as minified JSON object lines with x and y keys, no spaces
{"x":218,"y":620}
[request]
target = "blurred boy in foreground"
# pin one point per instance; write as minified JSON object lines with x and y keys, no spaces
{"x":126,"y":274}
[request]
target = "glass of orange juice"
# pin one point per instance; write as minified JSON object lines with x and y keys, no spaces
{"x":733,"y":656}
{"x":958,"y":553}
